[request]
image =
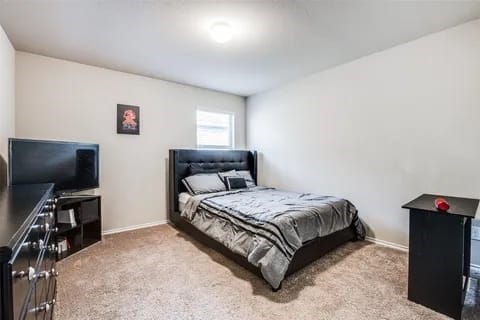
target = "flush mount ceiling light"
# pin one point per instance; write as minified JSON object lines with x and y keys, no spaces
{"x":221,"y":32}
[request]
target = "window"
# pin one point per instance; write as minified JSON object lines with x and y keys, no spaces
{"x":214,"y":130}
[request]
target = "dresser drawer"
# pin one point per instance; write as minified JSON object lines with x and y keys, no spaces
{"x":41,"y":290}
{"x":50,"y":294}
{"x":45,"y":280}
{"x":50,"y":255}
{"x":42,"y":308}
{"x":30,"y":313}
{"x":23,"y":276}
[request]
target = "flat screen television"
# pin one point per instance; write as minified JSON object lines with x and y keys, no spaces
{"x":71,"y":166}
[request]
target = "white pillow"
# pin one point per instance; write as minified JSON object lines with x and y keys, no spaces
{"x":204,"y":183}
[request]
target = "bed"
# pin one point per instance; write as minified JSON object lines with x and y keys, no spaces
{"x":269,"y":232}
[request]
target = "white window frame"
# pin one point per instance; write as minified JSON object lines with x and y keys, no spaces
{"x":232,"y":129}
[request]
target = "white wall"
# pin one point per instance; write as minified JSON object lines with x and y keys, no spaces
{"x":62,"y":100}
{"x":380,"y":130}
{"x":7,"y":100}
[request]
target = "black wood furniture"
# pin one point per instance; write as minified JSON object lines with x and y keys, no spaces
{"x":27,"y":252}
{"x":439,"y":253}
{"x":88,"y":222}
{"x":179,"y":165}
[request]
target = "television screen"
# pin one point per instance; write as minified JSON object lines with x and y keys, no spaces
{"x":71,"y":166}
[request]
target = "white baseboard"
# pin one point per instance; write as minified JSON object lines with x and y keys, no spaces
{"x":160,"y":222}
{"x":387,"y":244}
{"x":135,"y":227}
{"x":399,"y":247}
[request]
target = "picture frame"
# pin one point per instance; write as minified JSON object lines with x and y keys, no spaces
{"x":128,"y":119}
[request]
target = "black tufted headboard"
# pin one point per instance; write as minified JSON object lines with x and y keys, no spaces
{"x":180,"y":161}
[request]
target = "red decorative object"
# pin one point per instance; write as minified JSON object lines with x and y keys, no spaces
{"x":442,"y":204}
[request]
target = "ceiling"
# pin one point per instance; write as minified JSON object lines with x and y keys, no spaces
{"x":274,"y":41}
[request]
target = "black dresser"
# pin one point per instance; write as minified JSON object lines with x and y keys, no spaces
{"x":27,"y":252}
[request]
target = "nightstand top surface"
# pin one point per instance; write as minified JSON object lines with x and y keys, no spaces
{"x":459,"y":206}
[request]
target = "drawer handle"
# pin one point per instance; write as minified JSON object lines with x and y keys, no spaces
{"x":45,"y":227}
{"x":29,"y":274}
{"x":49,"y":207}
{"x":46,"y":215}
{"x":27,"y":245}
{"x":43,"y":307}
{"x":40,"y":245}
{"x":52,"y":248}
{"x":48,"y":274}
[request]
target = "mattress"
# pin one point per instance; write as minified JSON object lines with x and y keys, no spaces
{"x":182,"y":200}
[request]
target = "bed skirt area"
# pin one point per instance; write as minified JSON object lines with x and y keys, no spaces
{"x":309,"y":252}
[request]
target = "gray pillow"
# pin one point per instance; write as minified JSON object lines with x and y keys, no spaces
{"x":223,"y":175}
{"x":204,"y":183}
{"x":247,"y":176}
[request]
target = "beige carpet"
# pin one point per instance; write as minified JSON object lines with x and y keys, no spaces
{"x":160,"y":273}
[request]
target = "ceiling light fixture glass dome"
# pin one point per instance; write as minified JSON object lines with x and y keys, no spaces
{"x":221,"y":32}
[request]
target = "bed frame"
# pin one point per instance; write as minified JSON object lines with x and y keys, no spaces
{"x":179,"y":164}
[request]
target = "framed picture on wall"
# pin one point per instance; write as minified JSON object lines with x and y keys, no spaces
{"x":128,"y":119}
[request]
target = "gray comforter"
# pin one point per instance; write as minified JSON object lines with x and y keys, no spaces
{"x":267,"y":226}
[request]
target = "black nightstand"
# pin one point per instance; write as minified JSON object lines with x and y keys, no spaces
{"x":439,"y":253}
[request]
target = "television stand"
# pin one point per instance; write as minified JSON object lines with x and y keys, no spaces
{"x":86,"y":228}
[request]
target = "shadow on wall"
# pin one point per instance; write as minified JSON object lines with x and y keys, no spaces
{"x":368,"y":230}
{"x":3,"y":172}
{"x":259,"y":168}
{"x":260,"y":181}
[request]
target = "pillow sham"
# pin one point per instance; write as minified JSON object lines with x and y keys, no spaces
{"x":204,"y":183}
{"x":234,"y":183}
{"x":223,"y":175}
{"x":248,"y":178}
